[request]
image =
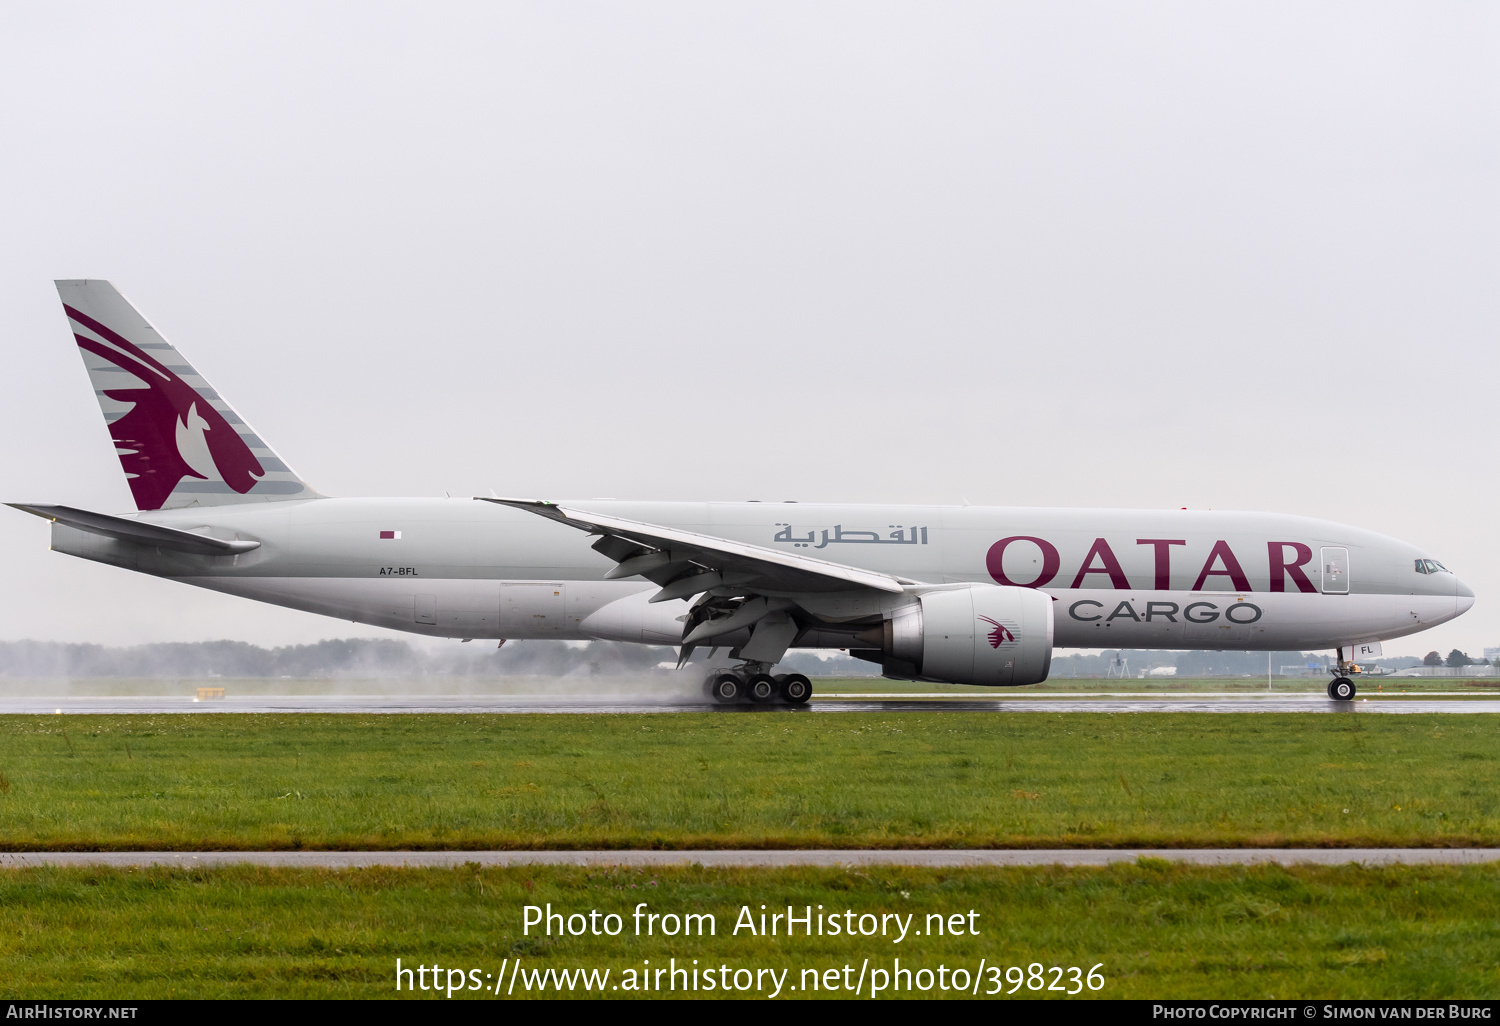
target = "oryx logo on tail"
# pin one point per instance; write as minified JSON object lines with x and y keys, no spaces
{"x":170,"y":431}
{"x":1000,"y":635}
{"x":179,"y":442}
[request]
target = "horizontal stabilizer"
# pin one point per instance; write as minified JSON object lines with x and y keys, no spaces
{"x":137,"y":532}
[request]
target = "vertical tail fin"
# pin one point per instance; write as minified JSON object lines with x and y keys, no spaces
{"x":179,"y":443}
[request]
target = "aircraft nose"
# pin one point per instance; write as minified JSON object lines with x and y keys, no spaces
{"x":1463,"y":597}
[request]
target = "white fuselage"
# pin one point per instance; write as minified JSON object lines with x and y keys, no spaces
{"x":1119,"y":578}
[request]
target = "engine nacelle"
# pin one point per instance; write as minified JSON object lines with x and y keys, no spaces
{"x":981,"y":634}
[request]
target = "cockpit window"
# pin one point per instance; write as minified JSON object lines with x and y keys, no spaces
{"x":1431,"y":566}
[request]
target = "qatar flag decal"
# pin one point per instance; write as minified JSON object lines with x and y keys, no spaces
{"x":390,"y":535}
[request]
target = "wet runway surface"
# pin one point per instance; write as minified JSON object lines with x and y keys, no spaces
{"x":944,"y":858}
{"x":845,"y":702}
{"x":1227,"y":704}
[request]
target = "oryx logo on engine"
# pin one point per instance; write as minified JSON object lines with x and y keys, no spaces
{"x":1000,"y":635}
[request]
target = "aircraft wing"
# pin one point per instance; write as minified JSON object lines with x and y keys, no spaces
{"x":685,"y":563}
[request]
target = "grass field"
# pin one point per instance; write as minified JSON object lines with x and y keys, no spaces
{"x":735,"y":781}
{"x":1160,"y":931}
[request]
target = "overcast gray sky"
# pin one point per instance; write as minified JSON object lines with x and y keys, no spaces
{"x":1156,"y":255}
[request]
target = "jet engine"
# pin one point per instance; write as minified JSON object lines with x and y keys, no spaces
{"x":975,"y":634}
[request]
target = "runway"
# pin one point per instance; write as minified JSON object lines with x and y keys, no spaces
{"x":1226,"y":704}
{"x":941,"y":858}
{"x":842,"y":702}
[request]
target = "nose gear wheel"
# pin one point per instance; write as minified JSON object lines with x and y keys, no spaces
{"x":1341,"y":689}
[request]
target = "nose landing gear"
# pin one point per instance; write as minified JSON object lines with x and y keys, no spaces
{"x":1341,"y":688}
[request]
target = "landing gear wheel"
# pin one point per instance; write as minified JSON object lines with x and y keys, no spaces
{"x":1341,"y":689}
{"x":727,"y":689}
{"x":796,"y":689}
{"x":761,"y":688}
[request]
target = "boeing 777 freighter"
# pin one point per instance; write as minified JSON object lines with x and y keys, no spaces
{"x":968,"y":594}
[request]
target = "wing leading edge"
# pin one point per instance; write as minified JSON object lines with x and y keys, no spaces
{"x":667,"y":555}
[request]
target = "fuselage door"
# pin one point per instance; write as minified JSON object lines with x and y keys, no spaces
{"x":1335,"y":570}
{"x":532,"y":610}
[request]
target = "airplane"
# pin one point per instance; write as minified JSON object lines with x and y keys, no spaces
{"x":962,"y":594}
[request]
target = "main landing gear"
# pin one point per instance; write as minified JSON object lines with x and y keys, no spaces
{"x":1341,"y":688}
{"x":736,"y":687}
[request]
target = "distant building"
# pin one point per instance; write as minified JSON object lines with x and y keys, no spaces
{"x":1492,"y":654}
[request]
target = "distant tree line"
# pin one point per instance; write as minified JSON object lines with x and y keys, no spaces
{"x":1456,"y":658}
{"x":367,"y":657}
{"x":346,"y":657}
{"x":377,"y":657}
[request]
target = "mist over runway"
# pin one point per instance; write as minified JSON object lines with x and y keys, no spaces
{"x":841,"y":702}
